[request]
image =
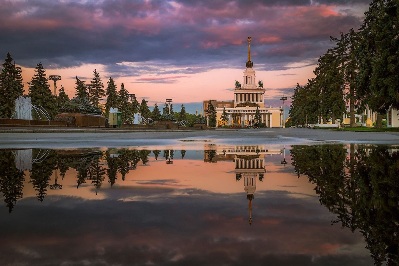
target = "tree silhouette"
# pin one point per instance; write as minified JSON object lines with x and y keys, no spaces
{"x":112,"y":96}
{"x":11,"y":87}
{"x":96,"y":89}
{"x":39,"y":91}
{"x":361,"y":188}
{"x":11,"y":179}
{"x":41,"y":173}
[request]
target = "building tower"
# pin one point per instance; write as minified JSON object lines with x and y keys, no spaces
{"x":249,"y":164}
{"x":249,"y":94}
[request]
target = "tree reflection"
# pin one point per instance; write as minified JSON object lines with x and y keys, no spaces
{"x":361,"y":187}
{"x":41,"y":172}
{"x":11,"y":179}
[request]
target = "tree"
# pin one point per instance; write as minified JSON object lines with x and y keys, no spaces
{"x":80,"y":103}
{"x":305,"y":104}
{"x":62,"y":99}
{"x":224,"y":118}
{"x":156,"y":113}
{"x":81,"y":89}
{"x":144,"y":110}
{"x":182,"y":114}
{"x":211,"y":113}
{"x":11,"y":87}
{"x":258,"y":117}
{"x":329,"y":84}
{"x":126,"y":107}
{"x":112,"y":96}
{"x":11,"y":179}
{"x":40,"y":93}
{"x":96,"y":90}
{"x":378,"y":56}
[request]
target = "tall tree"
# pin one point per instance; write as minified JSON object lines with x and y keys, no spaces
{"x":225,"y":118}
{"x":211,"y":113}
{"x":378,"y":56}
{"x":39,"y":91}
{"x":81,"y":89}
{"x":258,"y":117}
{"x":11,"y":87}
{"x":329,"y":83}
{"x":305,"y":104}
{"x":156,"y":113}
{"x":144,"y":109}
{"x":182,"y":114}
{"x":96,"y":90}
{"x":126,"y":107}
{"x":345,"y":54}
{"x":112,"y":96}
{"x":62,"y":99}
{"x":11,"y":179}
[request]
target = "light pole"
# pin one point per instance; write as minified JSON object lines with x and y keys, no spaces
{"x":169,"y":103}
{"x":55,"y":78}
{"x":283,"y":99}
{"x":132,"y":97}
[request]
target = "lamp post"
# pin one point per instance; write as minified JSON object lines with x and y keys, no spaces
{"x":283,"y":99}
{"x":132,"y":97}
{"x":55,"y":78}
{"x":169,"y":103}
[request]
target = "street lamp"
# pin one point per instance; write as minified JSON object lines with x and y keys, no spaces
{"x":55,"y":78}
{"x":283,"y":99}
{"x":169,"y":103}
{"x":132,"y":97}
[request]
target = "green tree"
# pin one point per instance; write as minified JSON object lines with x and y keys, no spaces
{"x":258,"y":118}
{"x":305,"y":104}
{"x":80,"y":103}
{"x":156,"y":113}
{"x":40,"y":93}
{"x":96,"y":90}
{"x":11,"y":87}
{"x":81,"y":89}
{"x":378,"y":57}
{"x":144,"y":109}
{"x":182,"y":114}
{"x":112,"y":96}
{"x":224,"y":118}
{"x":345,"y":55}
{"x":62,"y":99}
{"x":125,"y":107}
{"x":329,"y":83}
{"x":211,"y":113}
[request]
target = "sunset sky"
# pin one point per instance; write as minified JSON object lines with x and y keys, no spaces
{"x":189,"y":51}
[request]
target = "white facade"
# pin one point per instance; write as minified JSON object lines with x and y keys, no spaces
{"x":248,"y":100}
{"x":393,"y":117}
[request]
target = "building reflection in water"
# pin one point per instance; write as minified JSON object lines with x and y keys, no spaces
{"x":249,"y":162}
{"x":358,"y":184}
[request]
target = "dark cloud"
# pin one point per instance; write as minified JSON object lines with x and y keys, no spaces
{"x":183,"y":33}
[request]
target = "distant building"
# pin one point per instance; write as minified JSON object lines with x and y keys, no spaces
{"x":248,"y":107}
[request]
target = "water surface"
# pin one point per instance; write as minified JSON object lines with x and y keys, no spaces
{"x":203,"y":204}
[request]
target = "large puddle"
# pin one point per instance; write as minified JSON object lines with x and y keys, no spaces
{"x":203,"y":204}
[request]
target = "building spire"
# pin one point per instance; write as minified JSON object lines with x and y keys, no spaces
{"x":249,"y":63}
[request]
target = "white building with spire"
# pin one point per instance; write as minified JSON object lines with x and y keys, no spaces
{"x":248,"y":107}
